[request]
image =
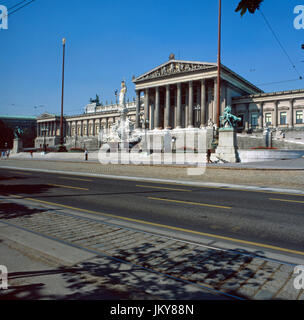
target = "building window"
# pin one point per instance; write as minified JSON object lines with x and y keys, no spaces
{"x":299,"y":117}
{"x":283,"y":118}
{"x":254,"y":120}
{"x":268,"y":119}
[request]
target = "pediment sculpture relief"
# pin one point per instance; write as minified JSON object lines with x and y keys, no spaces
{"x":174,"y":68}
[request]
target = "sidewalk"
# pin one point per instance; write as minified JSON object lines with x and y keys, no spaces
{"x":65,"y":254}
{"x":274,"y":175}
{"x":181,"y":160}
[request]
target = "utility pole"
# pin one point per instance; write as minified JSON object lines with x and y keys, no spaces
{"x":62,"y":147}
{"x":215,"y":139}
{"x":219,"y":65}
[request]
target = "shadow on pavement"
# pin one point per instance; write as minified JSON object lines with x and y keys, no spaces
{"x":13,"y":210}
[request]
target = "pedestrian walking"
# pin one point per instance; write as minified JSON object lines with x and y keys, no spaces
{"x":7,"y":154}
{"x":209,"y":156}
{"x":31,"y":152}
{"x":86,"y":154}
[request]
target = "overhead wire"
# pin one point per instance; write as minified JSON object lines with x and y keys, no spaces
{"x":21,"y":7}
{"x":280,"y":44}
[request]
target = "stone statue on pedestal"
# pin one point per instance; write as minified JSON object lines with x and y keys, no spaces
{"x":18,"y":132}
{"x":226,"y":150}
{"x":18,"y":145}
{"x":228,"y":120}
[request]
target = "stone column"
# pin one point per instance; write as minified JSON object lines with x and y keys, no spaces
{"x":275,"y":118}
{"x":87,"y":131}
{"x":146,"y":116}
{"x":93,"y":131}
{"x":152,"y":116}
{"x":167,"y":107}
{"x":179,"y":106}
{"x":261,"y":115}
{"x":137,"y":122}
{"x":157,"y":111}
{"x":187,"y":108}
{"x":203,"y":103}
{"x":190,"y":106}
{"x":55,"y":128}
{"x":291,"y":115}
{"x":99,"y":123}
{"x":247,"y":120}
{"x":81,"y":128}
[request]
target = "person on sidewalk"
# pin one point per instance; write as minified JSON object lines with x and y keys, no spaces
{"x":86,"y":154}
{"x":209,"y":156}
{"x":7,"y":154}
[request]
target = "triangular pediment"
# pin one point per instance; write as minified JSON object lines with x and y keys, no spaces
{"x":173,"y":67}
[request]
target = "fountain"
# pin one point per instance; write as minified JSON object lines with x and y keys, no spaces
{"x":122,"y":134}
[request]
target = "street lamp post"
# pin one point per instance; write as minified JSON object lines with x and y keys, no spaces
{"x":62,"y":148}
{"x":44,"y":131}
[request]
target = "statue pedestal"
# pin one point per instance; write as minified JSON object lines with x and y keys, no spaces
{"x":227,"y":146}
{"x":17,"y":146}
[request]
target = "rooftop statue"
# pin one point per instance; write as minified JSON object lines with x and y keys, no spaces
{"x":228,"y":120}
{"x":122,"y":94}
{"x":96,"y":100}
{"x":18,"y":132}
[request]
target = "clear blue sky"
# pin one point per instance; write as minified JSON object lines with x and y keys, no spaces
{"x":110,"y":40}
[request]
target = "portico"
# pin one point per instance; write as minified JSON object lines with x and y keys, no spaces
{"x":182,"y":94}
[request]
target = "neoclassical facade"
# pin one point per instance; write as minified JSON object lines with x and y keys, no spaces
{"x":183,"y":94}
{"x":283,"y":110}
{"x":80,"y":130}
{"x":180,"y":95}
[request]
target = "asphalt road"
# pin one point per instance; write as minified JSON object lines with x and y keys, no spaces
{"x":274,"y":219}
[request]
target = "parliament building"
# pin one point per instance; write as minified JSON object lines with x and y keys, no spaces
{"x":179,"y":95}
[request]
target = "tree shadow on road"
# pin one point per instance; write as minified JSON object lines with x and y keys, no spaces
{"x":10,"y":210}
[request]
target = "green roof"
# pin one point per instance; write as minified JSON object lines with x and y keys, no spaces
{"x":19,"y":117}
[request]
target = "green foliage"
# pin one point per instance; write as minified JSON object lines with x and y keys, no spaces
{"x":250,"y":5}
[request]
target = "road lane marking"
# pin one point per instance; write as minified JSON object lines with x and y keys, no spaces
{"x":76,"y":179}
{"x":256,"y":244}
{"x":192,"y":203}
{"x":163,"y":188}
{"x":20,"y":173}
{"x":67,"y":187}
{"x":228,"y":187}
{"x":286,"y":200}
